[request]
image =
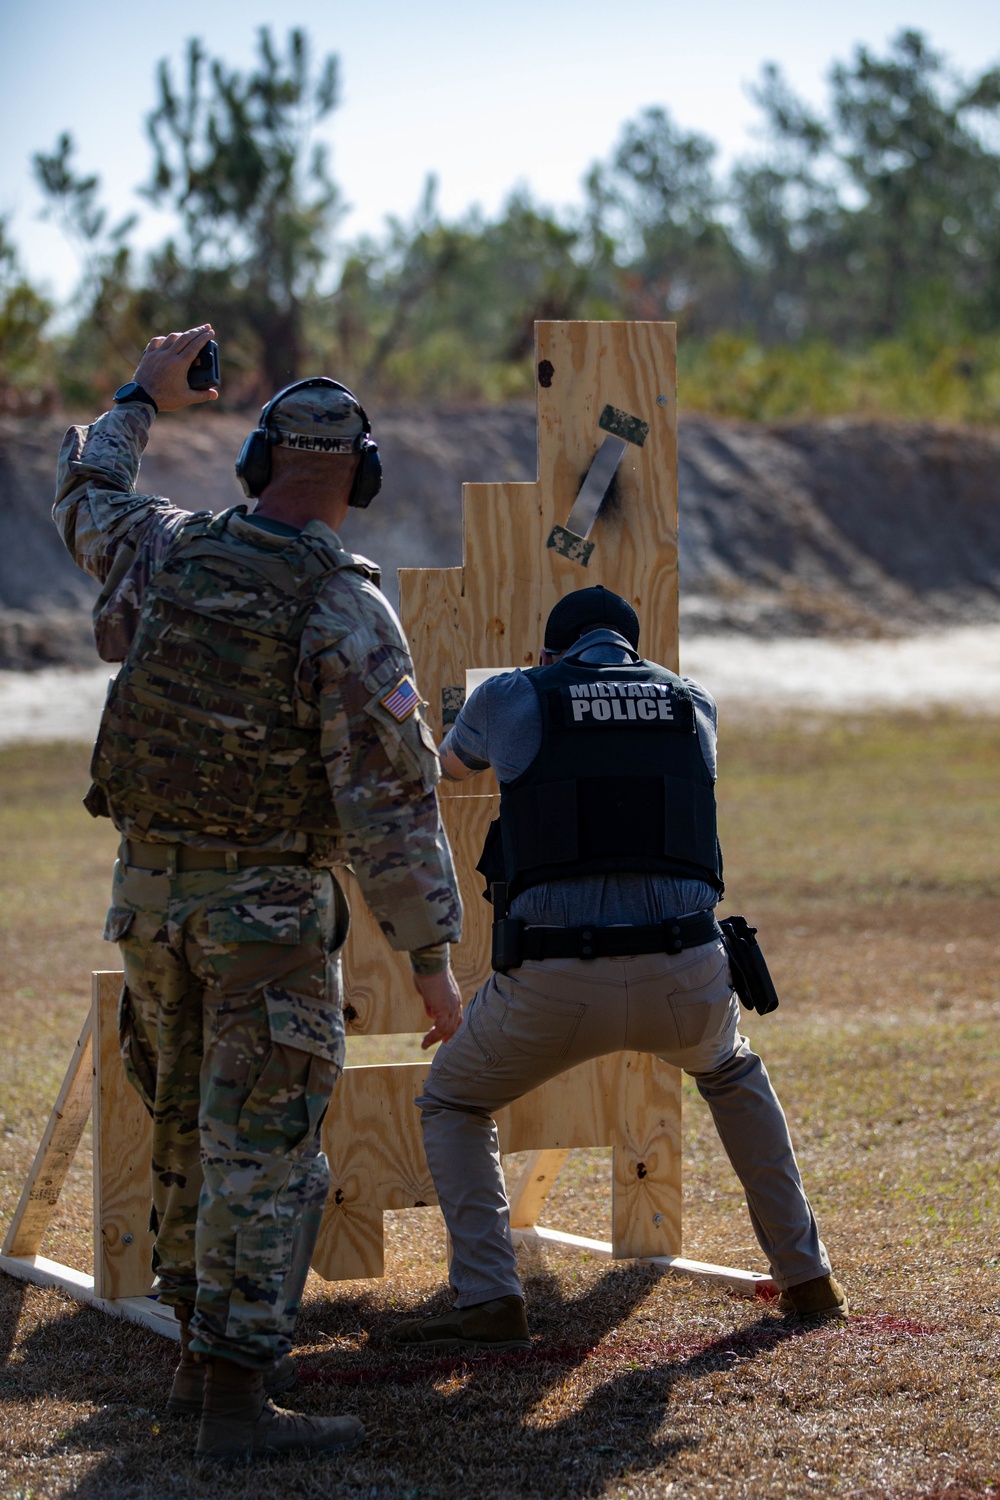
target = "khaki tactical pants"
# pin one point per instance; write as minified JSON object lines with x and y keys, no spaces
{"x":232,"y":1032}
{"x":542,"y":1018}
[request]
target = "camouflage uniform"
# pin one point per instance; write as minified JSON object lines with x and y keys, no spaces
{"x":230,"y":1020}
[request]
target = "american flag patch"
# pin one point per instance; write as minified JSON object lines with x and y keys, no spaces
{"x":401,"y":701}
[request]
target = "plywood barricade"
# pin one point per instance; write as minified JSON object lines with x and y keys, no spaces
{"x":593,"y":379}
{"x":519,"y":559}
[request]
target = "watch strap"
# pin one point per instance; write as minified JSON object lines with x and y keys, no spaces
{"x":132,"y":391}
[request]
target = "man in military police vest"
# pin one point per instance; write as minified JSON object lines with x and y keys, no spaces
{"x":606,"y":851}
{"x":265,"y":727}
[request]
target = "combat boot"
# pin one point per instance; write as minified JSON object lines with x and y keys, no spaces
{"x":188,"y":1389}
{"x":239,"y":1424}
{"x":499,"y":1324}
{"x":815,"y":1301}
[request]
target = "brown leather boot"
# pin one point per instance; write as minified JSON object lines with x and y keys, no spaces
{"x":239,"y":1424}
{"x":816,"y":1301}
{"x":189,"y":1376}
{"x":188,"y":1390}
{"x":498,"y":1324}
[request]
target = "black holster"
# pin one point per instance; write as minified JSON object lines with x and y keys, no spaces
{"x":507,"y":950}
{"x":751,"y":979}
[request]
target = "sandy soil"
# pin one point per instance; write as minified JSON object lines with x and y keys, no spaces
{"x":834,"y":528}
{"x":53,"y":704}
{"x":958,"y":668}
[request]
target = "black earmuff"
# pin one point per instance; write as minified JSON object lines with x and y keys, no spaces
{"x":253,"y":466}
{"x":368,"y":479}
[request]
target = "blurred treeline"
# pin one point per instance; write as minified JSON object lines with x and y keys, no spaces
{"x":850,"y":263}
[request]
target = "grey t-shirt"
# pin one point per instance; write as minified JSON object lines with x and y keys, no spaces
{"x":500,"y":725}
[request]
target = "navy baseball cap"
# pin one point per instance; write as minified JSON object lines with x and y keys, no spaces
{"x":590,"y":609}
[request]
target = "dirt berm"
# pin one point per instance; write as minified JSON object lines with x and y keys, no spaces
{"x":842,"y":526}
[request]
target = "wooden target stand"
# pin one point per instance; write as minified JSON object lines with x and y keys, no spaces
{"x":594,"y":379}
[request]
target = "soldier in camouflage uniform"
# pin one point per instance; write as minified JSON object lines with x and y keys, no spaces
{"x":264,"y":727}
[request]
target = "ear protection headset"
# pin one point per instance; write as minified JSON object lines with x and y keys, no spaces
{"x":253,"y":466}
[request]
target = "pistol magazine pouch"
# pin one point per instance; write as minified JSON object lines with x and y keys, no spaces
{"x":751,"y":979}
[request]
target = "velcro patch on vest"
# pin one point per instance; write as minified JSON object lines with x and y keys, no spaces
{"x":626,"y":705}
{"x":401,"y":701}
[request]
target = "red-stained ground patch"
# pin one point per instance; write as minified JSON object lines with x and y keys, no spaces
{"x":409,"y":1368}
{"x":886,"y":1323}
{"x":412,"y":1366}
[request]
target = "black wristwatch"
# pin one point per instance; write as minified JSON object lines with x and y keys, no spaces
{"x":133,"y":391}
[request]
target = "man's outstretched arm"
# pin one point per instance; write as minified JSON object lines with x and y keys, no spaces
{"x":114,"y":534}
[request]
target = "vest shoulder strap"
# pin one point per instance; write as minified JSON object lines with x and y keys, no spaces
{"x":306,"y":560}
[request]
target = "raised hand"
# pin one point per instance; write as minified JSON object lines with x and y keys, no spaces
{"x":163,"y":368}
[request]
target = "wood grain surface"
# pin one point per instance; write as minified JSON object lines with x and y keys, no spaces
{"x":123,"y":1241}
{"x":373,"y":1142}
{"x":537,"y":1179}
{"x":67,"y":1122}
{"x":646,"y":1175}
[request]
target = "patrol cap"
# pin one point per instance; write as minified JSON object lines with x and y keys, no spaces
{"x":590,"y":609}
{"x":317,"y":419}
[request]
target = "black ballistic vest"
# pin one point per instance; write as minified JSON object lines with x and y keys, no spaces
{"x":619,"y":783}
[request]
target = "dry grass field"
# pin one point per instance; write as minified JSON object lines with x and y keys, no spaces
{"x":868,"y":854}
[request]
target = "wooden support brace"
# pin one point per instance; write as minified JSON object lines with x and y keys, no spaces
{"x":747,"y":1283}
{"x":537,"y":1179}
{"x":55,"y":1154}
{"x":49,"y":1273}
{"x":95,"y":1080}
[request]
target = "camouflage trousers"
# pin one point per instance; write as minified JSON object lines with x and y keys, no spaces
{"x":232,"y":1033}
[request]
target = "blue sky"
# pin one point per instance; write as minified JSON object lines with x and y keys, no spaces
{"x":487,"y":97}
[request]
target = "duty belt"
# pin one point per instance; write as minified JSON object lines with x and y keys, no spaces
{"x":513,"y":942}
{"x":179,"y":858}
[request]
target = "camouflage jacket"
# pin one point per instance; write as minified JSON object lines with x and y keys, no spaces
{"x":383,"y":794}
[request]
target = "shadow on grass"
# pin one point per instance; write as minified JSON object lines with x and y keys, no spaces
{"x":12,"y":1293}
{"x":530,"y":1423}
